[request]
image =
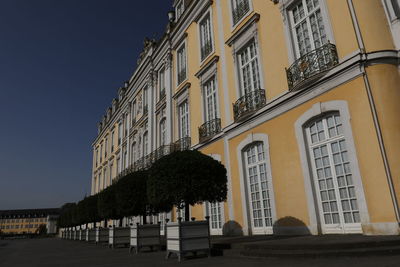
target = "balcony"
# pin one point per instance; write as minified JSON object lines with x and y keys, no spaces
{"x":147,"y":161}
{"x":209,"y":129}
{"x":311,"y":66}
{"x":248,"y":104}
{"x":240,"y":11}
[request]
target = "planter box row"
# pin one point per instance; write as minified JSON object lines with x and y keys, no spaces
{"x":181,"y":237}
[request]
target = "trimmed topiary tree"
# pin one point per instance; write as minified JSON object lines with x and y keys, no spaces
{"x":106,"y":203}
{"x":131,"y":197}
{"x":186,"y":178}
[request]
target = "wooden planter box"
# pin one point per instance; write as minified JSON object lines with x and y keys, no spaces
{"x":119,"y":236}
{"x":74,"y":234}
{"x":101,"y":235}
{"x":91,"y":235}
{"x":80,"y":235}
{"x":147,"y":235}
{"x":184,"y":237}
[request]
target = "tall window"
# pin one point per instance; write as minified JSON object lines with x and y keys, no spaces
{"x":211,"y":102}
{"x":101,"y":152}
{"x":133,"y":111}
{"x":126,"y":163}
{"x":112,"y":141}
{"x":118,"y":166}
{"x":333,"y":177}
{"x":110,"y":175}
{"x":215,"y":213}
{"x":206,"y":44}
{"x":163,"y":132}
{"x":258,"y":187}
{"x":106,"y":147}
{"x":119,"y":133}
{"x":179,"y":9}
{"x":97,"y":157}
{"x":249,"y":68}
{"x":145,"y":144}
{"x":161,"y":83}
{"x":133,"y":153}
{"x":308,"y":28}
{"x":126,"y":125}
{"x":184,"y":119}
{"x":145,"y":100}
{"x":181,"y":64}
{"x":104,"y":178}
{"x":239,"y":9}
{"x":98,"y":183}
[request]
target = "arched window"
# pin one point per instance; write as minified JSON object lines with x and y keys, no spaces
{"x":332,"y":173}
{"x":163,"y":132}
{"x":258,"y":187}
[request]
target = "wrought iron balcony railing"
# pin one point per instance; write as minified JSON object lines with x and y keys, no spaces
{"x":181,"y":76}
{"x":240,"y":10}
{"x":206,"y":49}
{"x":147,"y":161}
{"x":248,"y":104}
{"x":311,"y":66}
{"x":209,"y":129}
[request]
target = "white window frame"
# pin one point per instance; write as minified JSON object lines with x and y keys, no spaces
{"x":240,"y":68}
{"x":332,"y":194}
{"x":208,"y":15}
{"x":161,"y":82}
{"x":206,"y":98}
{"x":179,"y":63}
{"x":120,"y":133}
{"x":110,"y":174}
{"x":181,"y":119}
{"x":163,"y":131}
{"x":145,"y":101}
{"x":316,"y":110}
{"x":286,"y":7}
{"x":112,"y":141}
{"x":250,"y":139}
{"x":179,"y":9}
{"x":133,"y":111}
{"x":231,"y":8}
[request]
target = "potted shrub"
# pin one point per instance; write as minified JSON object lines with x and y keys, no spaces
{"x":181,"y":179}
{"x":132,"y":201}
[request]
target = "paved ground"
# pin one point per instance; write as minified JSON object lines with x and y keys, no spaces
{"x":56,"y":252}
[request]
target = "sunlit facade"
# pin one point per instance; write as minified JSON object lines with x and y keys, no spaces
{"x":297,"y":98}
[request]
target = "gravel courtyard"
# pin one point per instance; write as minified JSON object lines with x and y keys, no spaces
{"x":56,"y":252}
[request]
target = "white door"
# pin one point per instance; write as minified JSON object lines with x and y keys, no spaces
{"x":258,"y":189}
{"x":216,"y":213}
{"x":332,"y":175}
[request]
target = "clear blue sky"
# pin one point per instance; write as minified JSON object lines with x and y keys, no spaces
{"x":61,"y":62}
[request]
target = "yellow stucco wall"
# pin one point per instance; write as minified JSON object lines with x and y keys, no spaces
{"x":373,"y":24}
{"x":287,"y":175}
{"x":385,"y":86}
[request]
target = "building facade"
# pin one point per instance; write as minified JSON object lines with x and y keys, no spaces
{"x":28,"y":221}
{"x":297,"y":98}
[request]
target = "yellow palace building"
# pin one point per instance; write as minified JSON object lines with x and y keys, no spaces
{"x":299,"y":99}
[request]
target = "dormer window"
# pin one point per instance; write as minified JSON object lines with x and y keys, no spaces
{"x":179,"y":9}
